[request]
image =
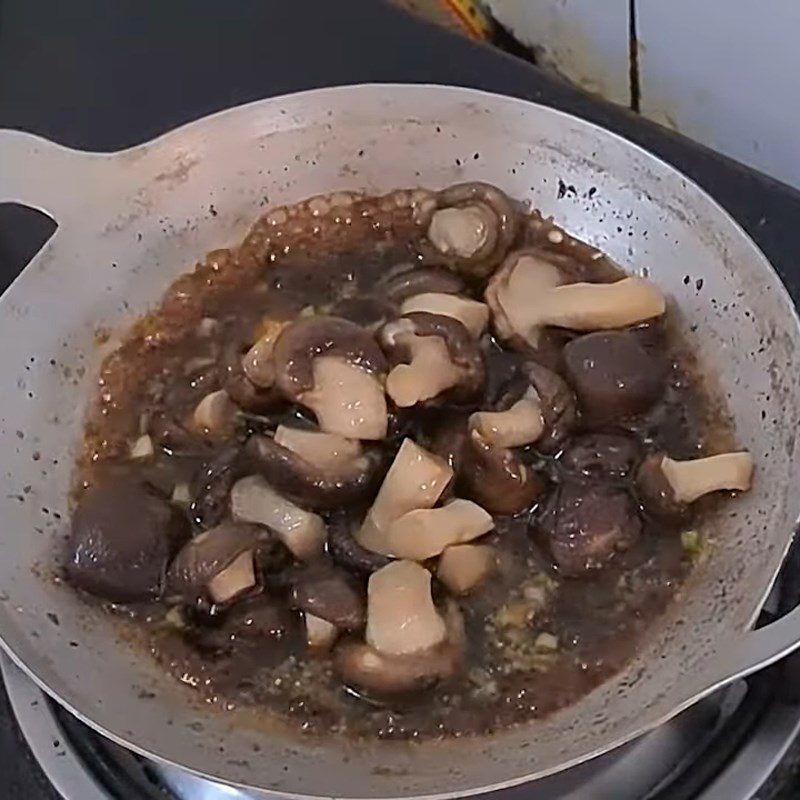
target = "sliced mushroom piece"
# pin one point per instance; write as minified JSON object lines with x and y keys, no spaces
{"x":530,"y":292}
{"x":215,"y":414}
{"x":557,"y":403}
{"x":464,"y":567}
{"x":416,"y":479}
{"x":308,"y":481}
{"x":329,"y":593}
{"x":347,"y":400}
{"x":257,"y":363}
{"x":425,"y":532}
{"x":474,"y":316}
{"x":400,"y":284}
{"x":600,"y":455}
{"x":666,"y":487}
{"x":401,"y":616}
{"x":613,"y":375}
{"x":254,"y":500}
{"x":496,"y":478}
{"x":217,"y":563}
{"x":369,"y":670}
{"x":327,"y":450}
{"x":123,"y":536}
{"x":470,"y":226}
{"x":335,"y":368}
{"x":434,"y":357}
{"x":521,"y":424}
{"x":587,"y":524}
{"x":320,"y":634}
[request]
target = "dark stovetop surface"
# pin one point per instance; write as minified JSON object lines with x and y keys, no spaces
{"x":99,"y":75}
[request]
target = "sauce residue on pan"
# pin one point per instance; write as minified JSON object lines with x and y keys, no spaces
{"x":236,"y":494}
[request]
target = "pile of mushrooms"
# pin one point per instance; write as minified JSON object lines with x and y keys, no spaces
{"x":279,"y":512}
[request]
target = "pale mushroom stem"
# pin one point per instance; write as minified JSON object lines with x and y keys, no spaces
{"x":462,"y":230}
{"x":236,"y":578}
{"x":521,"y":424}
{"x":430,"y":372}
{"x":346,"y":399}
{"x":691,"y":480}
{"x":599,"y":306}
{"x":416,"y":479}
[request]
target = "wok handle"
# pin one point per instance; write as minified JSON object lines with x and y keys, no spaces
{"x":757,"y":649}
{"x":46,"y":176}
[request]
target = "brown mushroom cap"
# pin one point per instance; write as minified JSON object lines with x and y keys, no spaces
{"x":311,"y":484}
{"x":470,"y":226}
{"x":613,"y":375}
{"x":203,"y":558}
{"x":557,"y":404}
{"x":600,"y":454}
{"x":328,"y":593}
{"x":335,"y":368}
{"x":309,"y":338}
{"x":123,"y":535}
{"x":495,"y":478}
{"x":408,"y":280}
{"x":587,"y":524}
{"x":346,"y":551}
{"x":453,"y":372}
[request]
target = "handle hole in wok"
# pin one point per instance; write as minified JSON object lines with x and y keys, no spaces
{"x":23,"y":232}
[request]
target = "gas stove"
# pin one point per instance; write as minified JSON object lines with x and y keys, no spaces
{"x":742,"y":743}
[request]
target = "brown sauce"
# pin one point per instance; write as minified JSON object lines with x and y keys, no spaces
{"x":536,"y":640}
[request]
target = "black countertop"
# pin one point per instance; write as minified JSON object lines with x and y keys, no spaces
{"x":99,"y":75}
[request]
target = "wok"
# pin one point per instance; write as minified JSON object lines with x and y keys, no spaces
{"x":129,"y":222}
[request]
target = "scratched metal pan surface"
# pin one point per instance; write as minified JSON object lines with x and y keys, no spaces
{"x":129,"y":222}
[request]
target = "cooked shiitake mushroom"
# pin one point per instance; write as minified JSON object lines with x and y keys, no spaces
{"x":667,"y":487}
{"x":530,"y":292}
{"x":470,"y":226}
{"x":336,"y":369}
{"x":613,"y":375}
{"x":218,"y":562}
{"x":585,"y":525}
{"x":315,"y":479}
{"x":330,"y":594}
{"x":495,"y":477}
{"x":123,"y":536}
{"x":434,"y":358}
{"x":409,"y":643}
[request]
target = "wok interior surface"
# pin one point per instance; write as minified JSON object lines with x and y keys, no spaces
{"x":200,"y":186}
